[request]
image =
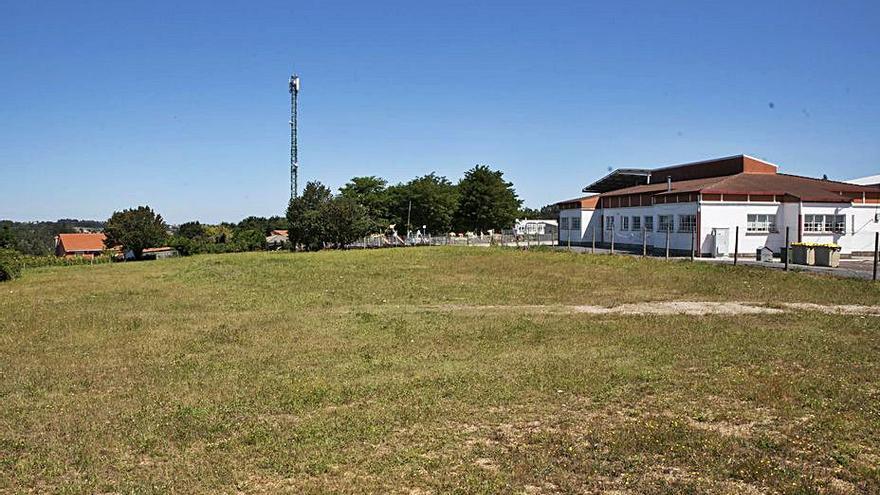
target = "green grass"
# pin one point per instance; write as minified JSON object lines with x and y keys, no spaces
{"x":343,"y":372}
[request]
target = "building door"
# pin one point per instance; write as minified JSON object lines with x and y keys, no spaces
{"x":720,"y":242}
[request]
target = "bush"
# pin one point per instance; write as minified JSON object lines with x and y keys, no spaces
{"x":10,"y":264}
{"x":50,"y":260}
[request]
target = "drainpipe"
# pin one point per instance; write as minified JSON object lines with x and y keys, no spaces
{"x":800,"y":221}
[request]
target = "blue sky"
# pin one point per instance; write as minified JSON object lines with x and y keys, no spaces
{"x":184,"y":105}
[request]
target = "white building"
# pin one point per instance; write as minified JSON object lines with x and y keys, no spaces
{"x":701,"y":205}
{"x":578,"y":222}
{"x":533,"y":227}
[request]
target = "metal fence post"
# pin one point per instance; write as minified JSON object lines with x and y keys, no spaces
{"x":735,"y":246}
{"x":876,"y":248}
{"x":787,"y":248}
{"x":593,"y":248}
{"x":569,"y":240}
{"x":667,"y":240}
{"x":693,"y":243}
{"x":644,"y":242}
{"x":612,"y":240}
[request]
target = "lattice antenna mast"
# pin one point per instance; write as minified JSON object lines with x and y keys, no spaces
{"x":294,"y":158}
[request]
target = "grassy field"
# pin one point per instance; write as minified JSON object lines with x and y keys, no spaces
{"x":360,"y":372}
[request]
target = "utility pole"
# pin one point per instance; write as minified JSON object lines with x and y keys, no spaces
{"x":408,"y":213}
{"x":294,"y":152}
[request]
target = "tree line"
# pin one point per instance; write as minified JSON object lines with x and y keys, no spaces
{"x":482,"y":200}
{"x":38,"y":238}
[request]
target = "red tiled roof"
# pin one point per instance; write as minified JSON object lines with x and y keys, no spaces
{"x":692,"y":185}
{"x":803,"y":188}
{"x":583,"y":202}
{"x":74,"y":243}
{"x":279,"y":232}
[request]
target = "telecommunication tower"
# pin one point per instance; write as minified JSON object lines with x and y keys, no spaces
{"x":294,"y":159}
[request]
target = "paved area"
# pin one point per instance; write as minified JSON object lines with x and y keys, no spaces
{"x":849,"y":268}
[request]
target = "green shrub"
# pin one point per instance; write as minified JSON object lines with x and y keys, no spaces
{"x":40,"y":261}
{"x":10,"y":264}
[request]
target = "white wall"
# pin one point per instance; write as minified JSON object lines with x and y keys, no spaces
{"x":589,"y":219}
{"x":677,"y":240}
{"x":859,"y":236}
{"x":861,"y":225}
{"x":714,"y":214}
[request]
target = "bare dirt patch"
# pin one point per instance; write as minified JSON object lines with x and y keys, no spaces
{"x":691,"y":308}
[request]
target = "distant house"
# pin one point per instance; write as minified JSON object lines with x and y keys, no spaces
{"x":158,"y":253}
{"x":277,"y":239}
{"x":532,"y":227}
{"x":81,"y":244}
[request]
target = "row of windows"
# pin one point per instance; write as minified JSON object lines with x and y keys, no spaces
{"x":825,"y":223}
{"x":755,"y":223}
{"x":573,"y":223}
{"x":665,"y":223}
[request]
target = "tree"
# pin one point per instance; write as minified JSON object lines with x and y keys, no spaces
{"x":429,"y":200}
{"x":544,"y":212}
{"x":249,"y":240}
{"x":10,"y":264}
{"x":219,"y":234}
{"x":486,"y":201}
{"x":304,"y":226}
{"x":191,"y":230}
{"x":7,"y":237}
{"x":371,"y":193}
{"x":344,"y":220}
{"x":135,"y":230}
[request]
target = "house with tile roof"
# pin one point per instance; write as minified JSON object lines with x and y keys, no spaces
{"x":80,"y":244}
{"x":712,"y":207}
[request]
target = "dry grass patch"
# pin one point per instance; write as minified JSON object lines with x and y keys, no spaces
{"x":268,"y":373}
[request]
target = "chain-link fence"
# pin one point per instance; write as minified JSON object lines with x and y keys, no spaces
{"x":509,"y":239}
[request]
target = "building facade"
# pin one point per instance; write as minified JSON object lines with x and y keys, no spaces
{"x":535,"y":227}
{"x":87,"y":245}
{"x":578,"y":222}
{"x":713,"y":207}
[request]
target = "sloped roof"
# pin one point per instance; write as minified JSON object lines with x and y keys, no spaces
{"x":583,"y":202}
{"x":871,"y":180}
{"x":804,"y":188}
{"x":715,"y":167}
{"x":72,"y":243}
{"x":692,"y":185}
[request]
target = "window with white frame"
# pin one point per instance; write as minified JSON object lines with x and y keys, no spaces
{"x":825,"y":223}
{"x":665,"y":223}
{"x":636,"y":223}
{"x":759,"y":223}
{"x":576,"y":223}
{"x":624,"y":224}
{"x":649,"y":223}
{"x":563,"y":223}
{"x":609,"y":223}
{"x":687,"y":223}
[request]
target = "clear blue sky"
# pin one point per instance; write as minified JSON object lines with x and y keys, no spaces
{"x":184,"y":105}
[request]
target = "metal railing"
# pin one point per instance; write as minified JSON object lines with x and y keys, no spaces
{"x":503,"y":239}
